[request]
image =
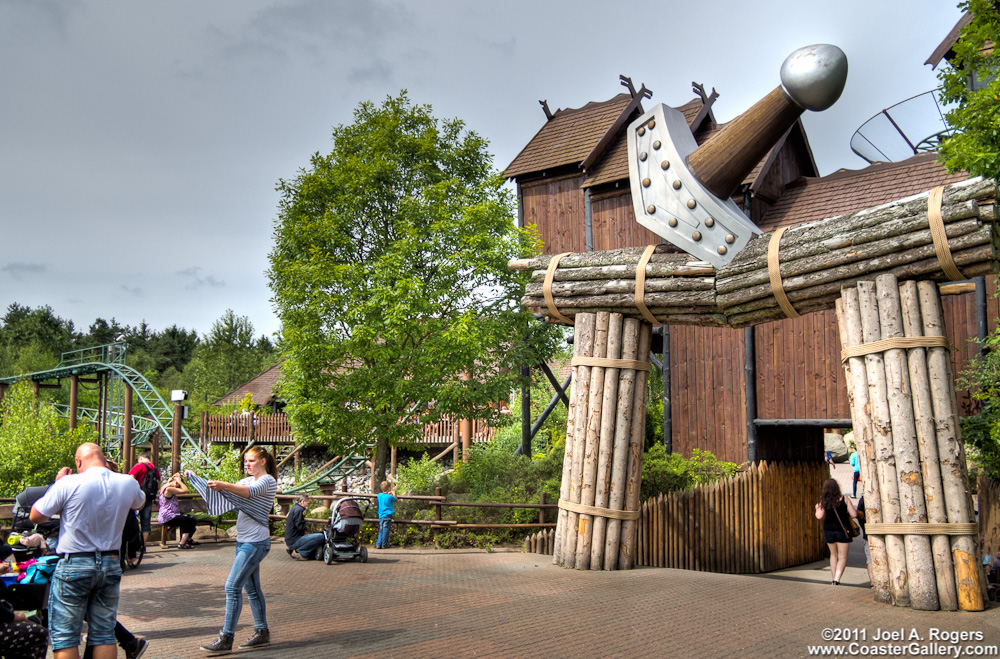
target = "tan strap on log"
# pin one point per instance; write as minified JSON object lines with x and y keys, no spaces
{"x":922,"y":528}
{"x":600,"y":512}
{"x":550,"y":272}
{"x":902,"y":342}
{"x":775,"y":276}
{"x":607,"y":362}
{"x":940,"y":237}
{"x":640,"y":286}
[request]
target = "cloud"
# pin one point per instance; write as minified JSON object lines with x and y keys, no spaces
{"x":133,"y":291}
{"x":197,"y":281}
{"x":20,"y":270}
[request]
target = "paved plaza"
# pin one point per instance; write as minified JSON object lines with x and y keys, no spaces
{"x":415,"y":603}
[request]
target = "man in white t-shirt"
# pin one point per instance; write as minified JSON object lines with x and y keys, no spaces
{"x":92,"y":505}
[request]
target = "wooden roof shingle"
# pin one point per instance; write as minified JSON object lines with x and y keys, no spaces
{"x":568,"y":136}
{"x":261,"y":388}
{"x":845,"y":191}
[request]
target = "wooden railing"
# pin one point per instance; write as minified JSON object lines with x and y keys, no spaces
{"x":756,"y":521}
{"x":275,"y":429}
{"x":241,"y":428}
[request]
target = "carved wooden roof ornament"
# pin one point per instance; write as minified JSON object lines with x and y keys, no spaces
{"x":682,"y":191}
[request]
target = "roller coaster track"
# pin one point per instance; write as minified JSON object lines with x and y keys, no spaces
{"x":110,"y":358}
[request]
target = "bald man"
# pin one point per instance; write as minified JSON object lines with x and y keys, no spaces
{"x":92,"y":505}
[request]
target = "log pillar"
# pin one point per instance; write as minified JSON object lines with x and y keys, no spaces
{"x":902,"y":395}
{"x":74,"y":399}
{"x":175,"y":440}
{"x":128,"y":451}
{"x":605,"y":431}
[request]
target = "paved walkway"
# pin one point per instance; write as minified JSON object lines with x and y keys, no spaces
{"x":412,"y":604}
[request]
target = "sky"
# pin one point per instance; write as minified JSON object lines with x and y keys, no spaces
{"x":141,"y":142}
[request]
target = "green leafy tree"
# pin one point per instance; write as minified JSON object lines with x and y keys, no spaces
{"x":34,"y":441}
{"x":389,"y":274}
{"x":229,"y":356}
{"x":970,"y":81}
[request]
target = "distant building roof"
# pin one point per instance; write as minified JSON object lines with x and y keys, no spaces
{"x":845,"y":191}
{"x":261,"y":388}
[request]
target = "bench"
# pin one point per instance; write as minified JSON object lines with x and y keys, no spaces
{"x":198,"y":510}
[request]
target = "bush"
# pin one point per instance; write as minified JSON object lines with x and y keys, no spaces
{"x":417,"y":475}
{"x":663,"y":473}
{"x":34,"y":441}
{"x":981,"y":429}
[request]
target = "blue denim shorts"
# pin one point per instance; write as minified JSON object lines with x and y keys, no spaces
{"x":84,"y":587}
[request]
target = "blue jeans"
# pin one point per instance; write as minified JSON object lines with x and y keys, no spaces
{"x":145,"y":515}
{"x":245,"y":574}
{"x":307,"y":545}
{"x":84,"y":587}
{"x":384,"y":524}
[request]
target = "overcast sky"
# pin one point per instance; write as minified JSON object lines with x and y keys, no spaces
{"x":140,"y":142}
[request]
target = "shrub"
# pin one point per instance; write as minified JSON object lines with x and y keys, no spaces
{"x":418,"y":475}
{"x":663,"y":473}
{"x":34,"y":441}
{"x":981,"y":429}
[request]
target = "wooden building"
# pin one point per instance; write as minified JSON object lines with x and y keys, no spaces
{"x":572,"y":182}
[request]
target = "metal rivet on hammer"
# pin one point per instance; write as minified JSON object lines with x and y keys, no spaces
{"x":642,"y":156}
{"x":642,"y":130}
{"x":646,"y":182}
{"x":665,"y":164}
{"x":730,"y":239}
{"x":696,"y":236}
{"x":672,"y":222}
{"x":651,"y":123}
{"x":677,"y":184}
{"x":656,"y":144}
{"x":709,"y":222}
{"x":722,"y":249}
{"x":692,"y":203}
{"x":651,"y":209}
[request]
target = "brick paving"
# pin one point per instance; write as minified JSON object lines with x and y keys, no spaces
{"x":414,"y":604}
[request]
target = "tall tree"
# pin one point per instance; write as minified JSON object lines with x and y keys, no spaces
{"x":229,"y":355}
{"x":970,"y":80}
{"x":389,"y":274}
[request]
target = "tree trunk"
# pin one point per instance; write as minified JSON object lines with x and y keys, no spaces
{"x":381,"y":461}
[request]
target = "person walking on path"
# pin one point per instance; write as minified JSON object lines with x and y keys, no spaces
{"x":836,"y":511}
{"x":148,"y":476}
{"x":253,"y":497}
{"x":296,"y":538}
{"x":856,"y":464}
{"x":386,"y":499}
{"x":92,"y":505}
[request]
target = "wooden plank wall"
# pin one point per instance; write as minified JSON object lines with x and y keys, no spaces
{"x":556,"y":207}
{"x":706,"y":389}
{"x":613,"y":224}
{"x":799,"y":375}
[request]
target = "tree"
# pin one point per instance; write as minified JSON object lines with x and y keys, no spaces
{"x":389,"y":274}
{"x":34,"y":442}
{"x":229,"y":356}
{"x":970,"y":81}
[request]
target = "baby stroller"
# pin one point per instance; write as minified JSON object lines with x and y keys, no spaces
{"x":341,"y":535}
{"x":22,"y":525}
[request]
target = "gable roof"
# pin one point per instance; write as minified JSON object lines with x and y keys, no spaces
{"x":614,"y":165}
{"x":261,"y":388}
{"x":568,"y":137}
{"x":945,"y":47}
{"x":808,"y":199}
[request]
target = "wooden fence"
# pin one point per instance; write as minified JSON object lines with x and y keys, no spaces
{"x":756,"y":521}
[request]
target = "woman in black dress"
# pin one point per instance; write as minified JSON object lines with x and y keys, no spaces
{"x":836,"y":512}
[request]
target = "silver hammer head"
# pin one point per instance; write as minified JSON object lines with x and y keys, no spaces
{"x":681,"y":191}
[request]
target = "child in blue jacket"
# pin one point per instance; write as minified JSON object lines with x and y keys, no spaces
{"x":386,"y":499}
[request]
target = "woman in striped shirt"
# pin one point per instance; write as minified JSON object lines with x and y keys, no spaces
{"x":254,"y":498}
